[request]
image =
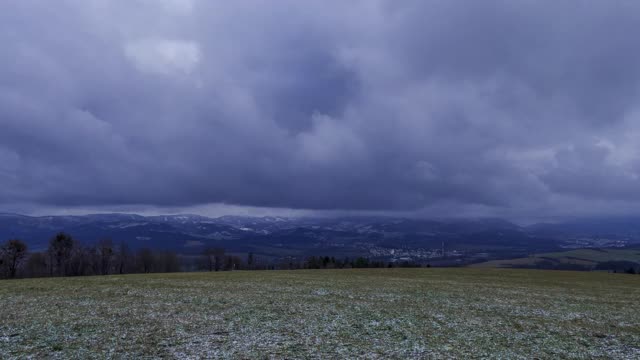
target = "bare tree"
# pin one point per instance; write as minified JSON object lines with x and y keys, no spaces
{"x":36,"y":265}
{"x":60,"y":248}
{"x":124,"y":259}
{"x":93,"y":259}
{"x":105,"y":255}
{"x":14,"y":252}
{"x":219,"y":258}
{"x":209,"y":259}
{"x":214,"y":258}
{"x":145,"y":260}
{"x":83,"y":261}
{"x":250,"y":261}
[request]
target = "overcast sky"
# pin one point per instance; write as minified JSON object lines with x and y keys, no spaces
{"x":508,"y":108}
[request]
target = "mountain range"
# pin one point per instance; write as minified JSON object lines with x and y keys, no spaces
{"x":278,"y":237}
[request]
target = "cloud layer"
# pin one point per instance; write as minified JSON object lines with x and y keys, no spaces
{"x":516,"y":106}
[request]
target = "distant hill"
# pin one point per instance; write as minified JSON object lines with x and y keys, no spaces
{"x":162,"y":232}
{"x":389,"y":238}
{"x":585,"y":259}
{"x":615,"y":227}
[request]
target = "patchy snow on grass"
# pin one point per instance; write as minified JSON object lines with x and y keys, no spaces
{"x":317,"y":314}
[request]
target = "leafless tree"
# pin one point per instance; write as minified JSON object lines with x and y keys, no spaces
{"x":214,"y":258}
{"x":15,"y":251}
{"x":124,"y":259}
{"x":36,"y":265}
{"x":145,"y":260}
{"x":60,"y":251}
{"x":105,"y":255}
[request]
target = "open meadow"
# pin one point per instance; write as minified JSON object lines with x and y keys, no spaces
{"x":369,"y":313}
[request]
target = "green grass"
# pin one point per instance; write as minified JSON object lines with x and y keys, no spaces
{"x":587,"y":257}
{"x":376,"y":313}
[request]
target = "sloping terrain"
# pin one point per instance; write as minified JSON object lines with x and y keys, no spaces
{"x":588,"y":258}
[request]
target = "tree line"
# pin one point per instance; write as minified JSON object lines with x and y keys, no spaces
{"x":326,"y":262}
{"x":65,"y":256}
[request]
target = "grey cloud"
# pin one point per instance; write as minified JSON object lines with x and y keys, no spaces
{"x":366,"y":105}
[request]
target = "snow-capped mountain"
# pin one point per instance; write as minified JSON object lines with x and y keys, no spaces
{"x":279,"y":236}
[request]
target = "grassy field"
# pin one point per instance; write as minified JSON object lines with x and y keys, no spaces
{"x":376,"y":313}
{"x":585,"y":257}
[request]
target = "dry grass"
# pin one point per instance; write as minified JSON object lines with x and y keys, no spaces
{"x":377,"y":313}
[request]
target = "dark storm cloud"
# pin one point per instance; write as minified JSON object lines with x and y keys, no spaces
{"x":359,"y":105}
